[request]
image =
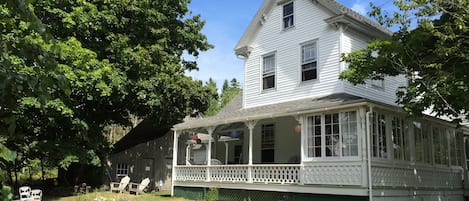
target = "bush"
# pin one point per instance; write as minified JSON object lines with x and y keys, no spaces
{"x":212,"y":195}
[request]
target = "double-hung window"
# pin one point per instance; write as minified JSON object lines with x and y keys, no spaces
{"x":333,"y":135}
{"x":288,"y":15}
{"x":378,"y":135}
{"x":309,"y":62}
{"x":268,"y":71}
{"x":399,"y":139}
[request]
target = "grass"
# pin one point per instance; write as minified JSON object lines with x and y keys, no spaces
{"x":108,"y":196}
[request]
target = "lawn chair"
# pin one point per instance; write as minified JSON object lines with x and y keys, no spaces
{"x":25,"y":193}
{"x":120,"y":187}
{"x":36,"y":194}
{"x":139,"y":188}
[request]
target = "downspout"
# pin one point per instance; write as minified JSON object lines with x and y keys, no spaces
{"x":368,"y":152}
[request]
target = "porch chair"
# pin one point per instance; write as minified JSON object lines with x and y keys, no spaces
{"x":36,"y":194}
{"x":25,"y":193}
{"x":120,"y":186}
{"x":139,"y":188}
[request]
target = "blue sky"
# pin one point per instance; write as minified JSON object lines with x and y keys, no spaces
{"x":226,"y":21}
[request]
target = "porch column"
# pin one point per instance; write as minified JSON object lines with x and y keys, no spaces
{"x":175,"y":159}
{"x":250,"y":125}
{"x":209,"y":151}
{"x":304,"y":135}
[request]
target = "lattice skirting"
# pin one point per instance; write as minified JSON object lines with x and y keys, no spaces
{"x":245,"y":195}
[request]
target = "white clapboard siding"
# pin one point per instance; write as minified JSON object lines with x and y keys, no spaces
{"x":309,"y":26}
{"x":355,"y":41}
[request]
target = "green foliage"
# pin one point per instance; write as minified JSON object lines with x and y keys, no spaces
{"x":212,"y":194}
{"x":69,"y":68}
{"x":228,"y":92}
{"x":434,"y":56}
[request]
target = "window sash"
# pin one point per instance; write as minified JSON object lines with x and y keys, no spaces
{"x":309,"y":62}
{"x":288,"y":12}
{"x":268,"y":71}
{"x":333,"y":135}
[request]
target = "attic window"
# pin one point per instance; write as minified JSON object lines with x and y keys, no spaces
{"x":288,"y":15}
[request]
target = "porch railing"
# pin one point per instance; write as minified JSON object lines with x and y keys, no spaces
{"x":276,"y":174}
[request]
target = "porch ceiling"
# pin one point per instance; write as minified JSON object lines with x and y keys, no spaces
{"x":234,"y":112}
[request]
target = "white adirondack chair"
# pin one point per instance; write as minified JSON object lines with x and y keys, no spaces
{"x":25,"y":193}
{"x":139,"y":188}
{"x":120,"y":187}
{"x":36,"y":194}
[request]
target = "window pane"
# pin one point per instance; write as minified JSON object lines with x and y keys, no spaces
{"x":308,"y":53}
{"x":288,"y":9}
{"x":349,"y":133}
{"x":268,"y":82}
{"x":269,"y":64}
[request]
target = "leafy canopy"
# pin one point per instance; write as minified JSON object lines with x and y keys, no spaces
{"x":434,"y":56}
{"x":69,"y":68}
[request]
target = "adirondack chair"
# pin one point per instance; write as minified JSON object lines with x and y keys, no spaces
{"x":120,"y":186}
{"x":25,"y":193}
{"x":138,"y":188}
{"x":36,"y":194}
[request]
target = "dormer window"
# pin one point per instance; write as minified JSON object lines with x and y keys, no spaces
{"x":288,"y":15}
{"x":309,"y":62}
{"x":268,"y":71}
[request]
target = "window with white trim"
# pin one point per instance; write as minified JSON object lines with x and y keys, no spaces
{"x":268,"y":143}
{"x":309,"y":62}
{"x":376,"y":84}
{"x":378,"y":135}
{"x":423,"y":143}
{"x":268,"y":71}
{"x":122,"y":169}
{"x":333,"y":135}
{"x":440,"y":145}
{"x":453,"y":149}
{"x":288,"y":21}
{"x":399,"y":139}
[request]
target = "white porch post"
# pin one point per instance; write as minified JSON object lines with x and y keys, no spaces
{"x":209,"y":151}
{"x":226,"y":153}
{"x":175,"y":158}
{"x":304,"y":135}
{"x":250,"y":125}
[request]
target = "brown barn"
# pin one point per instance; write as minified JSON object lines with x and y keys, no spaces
{"x":146,"y":151}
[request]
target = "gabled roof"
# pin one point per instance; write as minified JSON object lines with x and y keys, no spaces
{"x":342,"y":13}
{"x":234,"y":113}
{"x":145,"y":131}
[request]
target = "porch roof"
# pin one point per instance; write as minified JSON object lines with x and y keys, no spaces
{"x":233,"y":112}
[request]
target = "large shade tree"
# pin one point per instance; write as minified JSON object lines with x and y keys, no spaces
{"x":69,"y":68}
{"x":430,"y":48}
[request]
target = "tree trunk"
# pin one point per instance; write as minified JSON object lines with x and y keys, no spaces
{"x":42,"y":170}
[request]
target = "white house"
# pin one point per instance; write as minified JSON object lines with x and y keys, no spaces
{"x":297,"y":132}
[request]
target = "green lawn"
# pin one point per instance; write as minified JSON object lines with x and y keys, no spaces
{"x":108,"y":196}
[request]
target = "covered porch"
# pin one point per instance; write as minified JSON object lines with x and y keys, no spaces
{"x":295,"y":144}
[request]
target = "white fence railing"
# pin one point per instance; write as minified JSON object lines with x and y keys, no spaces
{"x":280,"y":174}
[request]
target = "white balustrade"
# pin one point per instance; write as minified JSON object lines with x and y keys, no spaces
{"x":191,"y":173}
{"x":282,"y":174}
{"x":229,"y":173}
{"x":279,"y":174}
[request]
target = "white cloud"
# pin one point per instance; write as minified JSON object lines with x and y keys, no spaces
{"x":359,"y":7}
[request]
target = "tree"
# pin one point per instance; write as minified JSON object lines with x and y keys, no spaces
{"x":69,"y":68}
{"x":214,"y":103}
{"x":433,"y":57}
{"x":230,"y":92}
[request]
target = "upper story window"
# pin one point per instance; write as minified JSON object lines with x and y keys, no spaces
{"x":309,"y":62}
{"x":268,"y":71}
{"x":288,"y":15}
{"x":377,"y":84}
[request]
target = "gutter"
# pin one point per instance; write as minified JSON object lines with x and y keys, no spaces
{"x":260,"y":117}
